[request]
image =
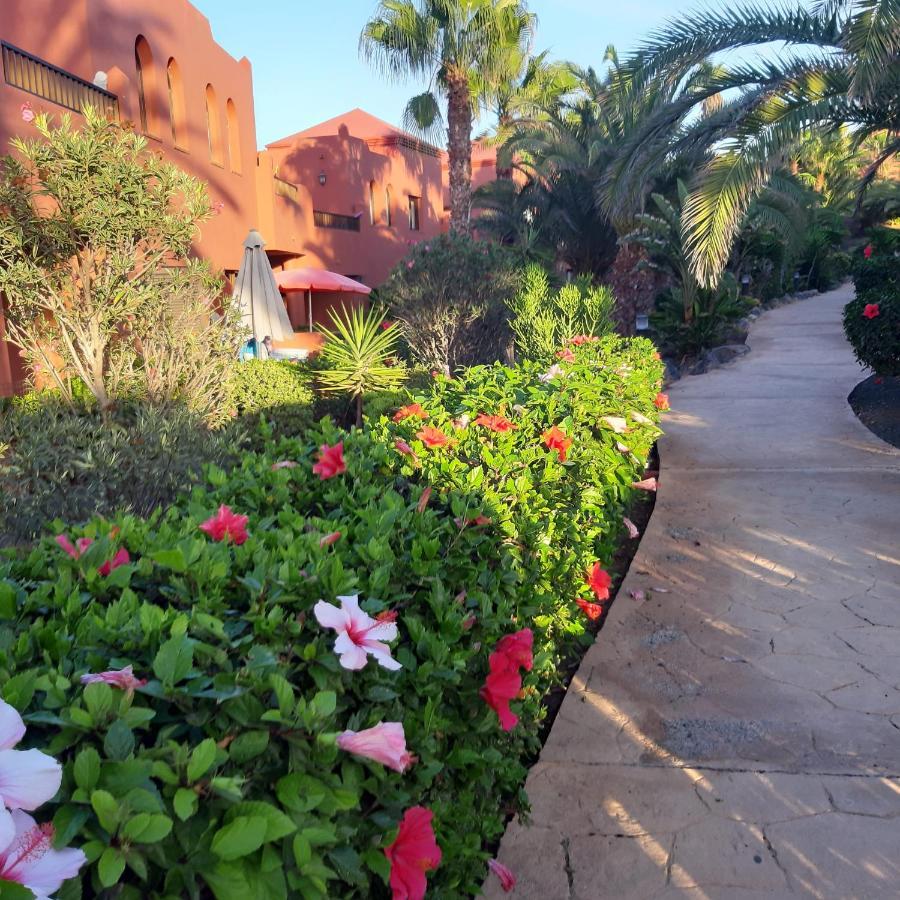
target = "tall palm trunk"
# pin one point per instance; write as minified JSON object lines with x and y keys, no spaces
{"x":459,"y":150}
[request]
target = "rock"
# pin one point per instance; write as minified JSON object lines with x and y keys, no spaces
{"x":718,"y":356}
{"x":673,"y":370}
{"x":737,"y":332}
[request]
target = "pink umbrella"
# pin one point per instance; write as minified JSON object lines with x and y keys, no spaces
{"x":309,"y":280}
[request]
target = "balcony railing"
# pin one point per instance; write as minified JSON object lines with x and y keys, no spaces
{"x":335,"y":220}
{"x":49,"y":82}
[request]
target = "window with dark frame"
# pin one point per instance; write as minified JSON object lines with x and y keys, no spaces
{"x":414,"y":213}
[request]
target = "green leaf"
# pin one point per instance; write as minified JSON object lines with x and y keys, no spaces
{"x":171,"y":559}
{"x":111,"y":866}
{"x":325,"y":703}
{"x":185,"y":803}
{"x":147,"y":828}
{"x":174,"y":659}
{"x":278,"y":825}
{"x":202,"y":759}
{"x":7,"y":600}
{"x":118,"y":744}
{"x":86,"y":769}
{"x":248,"y":745}
{"x":302,"y":851}
{"x":240,"y":837}
{"x":11,"y":891}
{"x":377,"y":862}
{"x":68,"y":821}
{"x":107,"y":810}
{"x":98,"y":699}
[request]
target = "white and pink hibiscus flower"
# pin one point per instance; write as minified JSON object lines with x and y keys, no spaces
{"x":28,"y":778}
{"x":359,"y":635}
{"x":27,"y":857}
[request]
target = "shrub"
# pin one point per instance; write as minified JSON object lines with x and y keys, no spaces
{"x":449,"y":297}
{"x":223,"y":771}
{"x":543,"y":320}
{"x":96,"y":268}
{"x":872,"y":318}
{"x":278,"y":391}
{"x":73,"y":465}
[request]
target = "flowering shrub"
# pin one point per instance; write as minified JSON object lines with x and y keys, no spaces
{"x":311,"y":705}
{"x":872,"y":318}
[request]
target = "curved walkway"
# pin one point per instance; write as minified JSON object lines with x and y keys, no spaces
{"x":739,"y":735}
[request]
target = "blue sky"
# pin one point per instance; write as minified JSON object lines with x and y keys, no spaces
{"x":306,"y":67}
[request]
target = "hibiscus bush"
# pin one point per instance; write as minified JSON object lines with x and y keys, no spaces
{"x":872,"y":318}
{"x":327,"y":665}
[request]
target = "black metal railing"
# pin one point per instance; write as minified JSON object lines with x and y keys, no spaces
{"x":49,"y":82}
{"x":335,"y":220}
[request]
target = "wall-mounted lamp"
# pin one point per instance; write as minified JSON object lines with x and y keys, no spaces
{"x":641,"y":322}
{"x":322,"y":178}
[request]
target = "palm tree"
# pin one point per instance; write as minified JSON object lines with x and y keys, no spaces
{"x":463,"y":48}
{"x":842,"y":69}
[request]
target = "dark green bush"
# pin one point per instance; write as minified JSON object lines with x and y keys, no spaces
{"x":73,"y":465}
{"x":875,"y":341}
{"x":278,"y":391}
{"x":449,"y":295}
{"x":222,"y":773}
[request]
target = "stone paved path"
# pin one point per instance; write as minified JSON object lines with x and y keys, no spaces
{"x":739,"y":736}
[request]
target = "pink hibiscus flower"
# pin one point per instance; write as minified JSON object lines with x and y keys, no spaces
{"x":871,"y":311}
{"x":647,"y":484}
{"x":226,"y":524}
{"x":120,"y":678}
{"x":27,"y":112}
{"x":507,"y":879}
{"x":358,"y":633}
{"x":120,"y":559}
{"x":385,"y":743}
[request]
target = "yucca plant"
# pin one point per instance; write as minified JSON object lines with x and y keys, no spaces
{"x":358,"y":355}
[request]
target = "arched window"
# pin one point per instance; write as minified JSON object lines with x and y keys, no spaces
{"x":234,"y":136}
{"x":371,"y":202}
{"x":214,"y":127}
{"x":388,"y":219}
{"x":146,"y":84}
{"x":176,"y":104}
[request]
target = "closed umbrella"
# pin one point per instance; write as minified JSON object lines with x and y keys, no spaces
{"x":262,"y":306}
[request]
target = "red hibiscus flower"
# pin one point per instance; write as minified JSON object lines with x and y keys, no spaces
{"x":871,"y":311}
{"x":478,"y":520}
{"x":406,"y":450}
{"x":867,"y":253}
{"x":503,"y":683}
{"x":407,"y":412}
{"x":566,"y":355}
{"x":120,"y":559}
{"x":330,"y":539}
{"x":592,"y":610}
{"x":411,"y":854}
{"x":432,"y":437}
{"x":580,"y":339}
{"x":661,"y":401}
{"x":331,"y":461}
{"x":555,"y":439}
{"x":495,"y":423}
{"x":226,"y":525}
{"x":599,"y":581}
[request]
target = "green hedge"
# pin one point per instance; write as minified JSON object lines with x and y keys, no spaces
{"x":222,"y":772}
{"x":281,"y":392}
{"x":872,"y":318}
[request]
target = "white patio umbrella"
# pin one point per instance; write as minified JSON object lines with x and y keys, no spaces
{"x":262,"y":305}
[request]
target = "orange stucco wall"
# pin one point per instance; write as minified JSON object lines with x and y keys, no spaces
{"x":87,"y":36}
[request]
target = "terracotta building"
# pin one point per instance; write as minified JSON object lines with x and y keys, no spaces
{"x":349,"y":195}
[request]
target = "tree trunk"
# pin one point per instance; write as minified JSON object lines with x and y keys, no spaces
{"x":459,"y":150}
{"x":501,"y":171}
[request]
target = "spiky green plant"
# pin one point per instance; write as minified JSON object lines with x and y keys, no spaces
{"x":358,"y":355}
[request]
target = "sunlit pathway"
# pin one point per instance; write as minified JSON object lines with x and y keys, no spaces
{"x":739,"y":736}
